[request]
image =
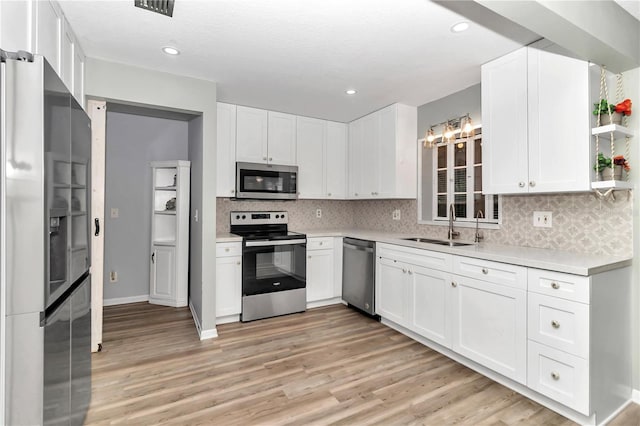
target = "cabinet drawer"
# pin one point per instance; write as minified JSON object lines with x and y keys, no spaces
{"x":319,"y":243}
{"x":228,"y":249}
{"x":414,"y":256}
{"x":495,"y":272}
{"x":559,"y":323}
{"x":560,"y":376}
{"x":566,"y":286}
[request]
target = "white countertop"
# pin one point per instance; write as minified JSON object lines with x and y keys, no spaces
{"x":225,"y":237}
{"x":553,"y":260}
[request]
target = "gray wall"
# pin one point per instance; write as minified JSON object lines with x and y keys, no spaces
{"x":195,"y":227}
{"x":132,"y":142}
{"x":133,"y":85}
{"x":452,"y":106}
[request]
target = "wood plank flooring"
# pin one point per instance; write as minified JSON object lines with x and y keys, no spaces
{"x":326,"y":366}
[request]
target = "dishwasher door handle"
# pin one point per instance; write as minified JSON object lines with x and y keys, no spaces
{"x":359,"y":248}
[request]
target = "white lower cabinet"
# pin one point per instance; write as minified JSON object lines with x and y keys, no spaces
{"x":228,"y":279}
{"x":163,"y":275}
{"x":489,"y":325}
{"x":562,"y":336}
{"x":324,"y":269}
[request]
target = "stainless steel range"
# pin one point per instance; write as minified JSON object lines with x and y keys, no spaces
{"x":273,"y":265}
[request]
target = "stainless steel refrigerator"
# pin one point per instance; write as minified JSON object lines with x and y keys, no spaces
{"x":45,"y":296}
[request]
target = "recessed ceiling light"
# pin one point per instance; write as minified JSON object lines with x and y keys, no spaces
{"x":169,"y":50}
{"x":350,"y":92}
{"x":460,"y":27}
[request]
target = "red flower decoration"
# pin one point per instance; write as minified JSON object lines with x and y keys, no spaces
{"x":619,"y":160}
{"x":624,"y":107}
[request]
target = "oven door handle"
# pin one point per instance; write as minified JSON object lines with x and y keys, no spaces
{"x":264,"y":243}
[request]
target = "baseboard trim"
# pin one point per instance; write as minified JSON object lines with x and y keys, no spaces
{"x":125,"y":300}
{"x":615,"y":413}
{"x":202,"y":334}
{"x":635,"y":396}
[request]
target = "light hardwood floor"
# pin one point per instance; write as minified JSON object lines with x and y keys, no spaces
{"x":328,"y":365}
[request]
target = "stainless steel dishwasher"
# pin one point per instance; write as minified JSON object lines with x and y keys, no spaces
{"x":358,"y":274}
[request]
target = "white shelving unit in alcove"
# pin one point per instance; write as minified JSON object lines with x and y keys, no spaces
{"x":169,"y":233}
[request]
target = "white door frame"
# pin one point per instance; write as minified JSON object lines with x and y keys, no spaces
{"x":98,"y":113}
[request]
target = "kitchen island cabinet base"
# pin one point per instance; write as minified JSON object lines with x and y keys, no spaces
{"x":521,"y":389}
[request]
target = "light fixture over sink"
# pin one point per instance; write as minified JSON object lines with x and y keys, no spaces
{"x":458,"y":125}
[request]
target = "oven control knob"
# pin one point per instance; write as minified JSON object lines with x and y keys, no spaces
{"x":282,"y":216}
{"x":277,"y":216}
{"x":244,"y":216}
{"x":237,"y":216}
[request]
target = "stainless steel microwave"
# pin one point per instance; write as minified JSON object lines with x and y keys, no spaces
{"x":266,"y":181}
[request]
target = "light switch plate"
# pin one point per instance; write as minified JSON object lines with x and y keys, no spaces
{"x":542,"y":219}
{"x":115,"y":213}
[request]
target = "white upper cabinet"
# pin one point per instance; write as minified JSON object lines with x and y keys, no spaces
{"x":336,"y":160}
{"x":281,"y":139}
{"x":535,"y":113}
{"x":15,"y":22}
{"x":311,"y":140}
{"x":382,"y":154}
{"x":321,"y":153}
{"x":78,"y":73}
{"x":251,"y":135}
{"x":67,"y":55}
{"x":226,"y":151}
{"x":265,"y":136}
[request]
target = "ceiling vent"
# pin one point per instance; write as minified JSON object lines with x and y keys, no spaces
{"x":163,"y":7}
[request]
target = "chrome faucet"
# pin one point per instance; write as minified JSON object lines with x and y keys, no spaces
{"x":479,"y":236}
{"x":452,"y":216}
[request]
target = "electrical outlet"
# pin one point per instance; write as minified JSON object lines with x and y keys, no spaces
{"x":542,"y":219}
{"x":113,"y":277}
{"x":115,"y":213}
{"x":318,"y":213}
{"x":396,"y":214}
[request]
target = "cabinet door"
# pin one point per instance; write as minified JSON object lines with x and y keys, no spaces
{"x":319,"y":275}
{"x":430,"y":305}
{"x":504,"y":124}
{"x":489,"y":326}
{"x":66,"y":55}
{"x":228,"y":285}
{"x":163,"y":277}
{"x":78,"y":74}
{"x":226,"y":151}
{"x":251,"y":135}
{"x":559,"y":113}
{"x":356,"y":143}
{"x":369,"y":156}
{"x":15,"y":24}
{"x":48,"y":32}
{"x":336,"y":160}
{"x":386,"y":152}
{"x":282,"y":139}
{"x":391,"y":290}
{"x":311,"y":135}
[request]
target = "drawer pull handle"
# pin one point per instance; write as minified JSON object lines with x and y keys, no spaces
{"x":555,"y":375}
{"x":238,"y":263}
{"x":226,"y":249}
{"x":485,"y":271}
{"x":453,"y":284}
{"x":320,"y":242}
{"x":555,"y":324}
{"x":555,"y":285}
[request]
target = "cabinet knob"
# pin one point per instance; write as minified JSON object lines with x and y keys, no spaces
{"x":555,"y":324}
{"x":233,"y":191}
{"x":532,"y":183}
{"x":521,"y":184}
{"x":329,"y":194}
{"x":309,"y":257}
{"x":555,"y":285}
{"x":320,"y":242}
{"x":410,"y":272}
{"x":453,"y":284}
{"x":264,"y":158}
{"x":270,"y":159}
{"x":555,"y":375}
{"x":373,"y":193}
{"x":356,"y":194}
{"x":485,"y":271}
{"x":404,"y":271}
{"x":226,"y":249}
{"x":238,"y":263}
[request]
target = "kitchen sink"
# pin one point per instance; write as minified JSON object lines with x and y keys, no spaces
{"x":439,"y":242}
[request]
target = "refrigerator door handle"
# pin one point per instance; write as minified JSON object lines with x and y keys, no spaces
{"x":96,"y":221}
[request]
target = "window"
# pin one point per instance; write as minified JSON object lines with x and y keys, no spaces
{"x":457,"y":180}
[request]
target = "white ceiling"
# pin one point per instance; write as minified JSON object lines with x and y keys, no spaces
{"x":297,"y":56}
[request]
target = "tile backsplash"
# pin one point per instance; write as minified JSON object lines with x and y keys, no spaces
{"x":581,"y":223}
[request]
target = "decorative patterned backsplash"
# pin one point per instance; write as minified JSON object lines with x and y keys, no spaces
{"x":581,"y":223}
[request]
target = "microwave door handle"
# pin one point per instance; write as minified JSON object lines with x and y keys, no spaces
{"x":263,"y":243}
